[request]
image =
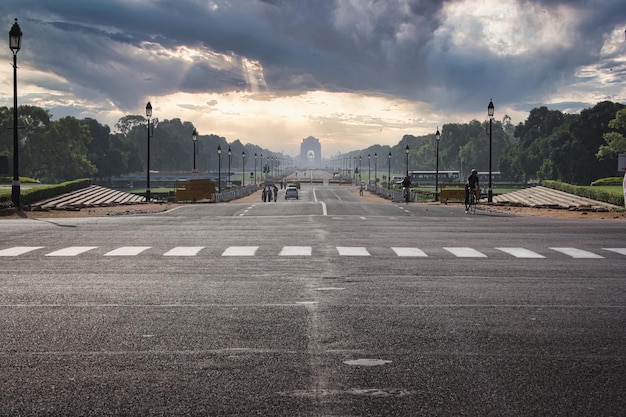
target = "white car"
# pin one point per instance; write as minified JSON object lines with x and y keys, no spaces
{"x":291,"y":192}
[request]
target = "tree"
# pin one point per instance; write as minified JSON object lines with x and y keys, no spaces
{"x":60,"y":152}
{"x":615,"y":140}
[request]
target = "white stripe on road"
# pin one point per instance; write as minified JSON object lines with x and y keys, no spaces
{"x":240,"y":251}
{"x":72,"y":251}
{"x":352,"y":251}
{"x":295,"y":251}
{"x":18,"y":250}
{"x":621,"y":251}
{"x":409,"y":252}
{"x":184,"y":251}
{"x":578,"y":253}
{"x":127,"y":251}
{"x":521,"y":253}
{"x":466,"y":252}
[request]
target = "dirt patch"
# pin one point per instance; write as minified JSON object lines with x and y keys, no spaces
{"x":119,"y":210}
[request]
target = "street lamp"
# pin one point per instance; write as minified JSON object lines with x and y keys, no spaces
{"x":490,"y":110}
{"x":194,"y":138}
{"x":243,"y":169}
{"x":369,"y":169}
{"x":376,"y":169}
{"x":219,"y":169}
{"x":406,"y":151}
{"x":229,"y":158}
{"x":389,"y":172}
{"x":255,"y":156}
{"x":437,"y":137}
{"x":15,"y":43}
{"x":148,"y":115}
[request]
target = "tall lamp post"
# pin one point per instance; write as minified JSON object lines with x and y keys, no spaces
{"x":148,"y":115}
{"x":406,"y":151}
{"x":490,"y":110}
{"x":437,"y":137}
{"x":376,"y":169}
{"x":389,"y":172}
{"x":229,"y":159}
{"x":219,"y":169}
{"x":255,"y":156}
{"x":243,"y":169}
{"x":15,"y":43}
{"x":369,"y":169}
{"x":194,"y":138}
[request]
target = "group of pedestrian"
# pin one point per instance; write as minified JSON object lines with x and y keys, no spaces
{"x":269,"y":192}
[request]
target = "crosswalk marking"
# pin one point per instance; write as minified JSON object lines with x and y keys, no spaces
{"x":240,"y":251}
{"x":409,"y":252}
{"x":184,"y":251}
{"x":466,"y":252}
{"x":127,"y":251}
{"x":621,"y":251}
{"x":286,"y":251}
{"x":71,"y":251}
{"x":521,"y":253}
{"x":18,"y":250}
{"x":352,"y":251}
{"x":578,"y":253}
{"x":295,"y":251}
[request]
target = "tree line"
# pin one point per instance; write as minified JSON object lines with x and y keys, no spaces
{"x":68,"y":148}
{"x":549,"y":144}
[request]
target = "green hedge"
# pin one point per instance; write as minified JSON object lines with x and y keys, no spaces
{"x":611,"y":198}
{"x":609,"y":181}
{"x":43,"y":193}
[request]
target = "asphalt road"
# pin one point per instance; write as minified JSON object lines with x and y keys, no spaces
{"x":323,"y":306}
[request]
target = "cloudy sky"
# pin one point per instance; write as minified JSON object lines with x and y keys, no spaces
{"x":350,"y":72}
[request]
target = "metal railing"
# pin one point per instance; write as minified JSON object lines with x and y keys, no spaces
{"x":235,"y":193}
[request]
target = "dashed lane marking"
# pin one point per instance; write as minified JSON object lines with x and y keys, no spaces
{"x":18,"y":250}
{"x":71,"y":251}
{"x":296,"y":251}
{"x":409,"y":252}
{"x":240,"y":251}
{"x":578,"y":253}
{"x":461,"y":252}
{"x":128,"y":251}
{"x":521,"y":253}
{"x":352,"y":251}
{"x":184,"y":251}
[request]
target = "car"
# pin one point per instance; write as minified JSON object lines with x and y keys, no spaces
{"x":291,"y":192}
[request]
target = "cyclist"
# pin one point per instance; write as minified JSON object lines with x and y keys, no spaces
{"x":471,"y":185}
{"x":406,"y":186}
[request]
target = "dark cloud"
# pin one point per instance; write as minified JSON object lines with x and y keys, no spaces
{"x":126,"y":50}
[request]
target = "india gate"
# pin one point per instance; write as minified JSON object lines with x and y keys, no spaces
{"x":311,"y":153}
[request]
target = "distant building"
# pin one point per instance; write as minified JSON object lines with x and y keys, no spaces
{"x":310,"y":153}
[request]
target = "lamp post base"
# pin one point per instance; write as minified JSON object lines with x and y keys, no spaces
{"x":16,"y":194}
{"x":490,"y":195}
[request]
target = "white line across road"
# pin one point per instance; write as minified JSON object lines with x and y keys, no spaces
{"x":295,"y":251}
{"x":18,"y":250}
{"x":72,"y":251}
{"x":128,"y":251}
{"x":409,"y":252}
{"x":621,"y":251}
{"x":184,"y":251}
{"x":466,"y":252}
{"x":240,"y":251}
{"x":521,"y":253}
{"x":578,"y":253}
{"x":352,"y":251}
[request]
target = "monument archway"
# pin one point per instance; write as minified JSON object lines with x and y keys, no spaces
{"x":311,"y":153}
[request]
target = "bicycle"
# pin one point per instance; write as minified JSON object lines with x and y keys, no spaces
{"x":407,"y":194}
{"x":472,"y":201}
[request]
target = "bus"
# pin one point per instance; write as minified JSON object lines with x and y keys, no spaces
{"x":428,"y":177}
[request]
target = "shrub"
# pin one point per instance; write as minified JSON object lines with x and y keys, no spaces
{"x":609,"y":181}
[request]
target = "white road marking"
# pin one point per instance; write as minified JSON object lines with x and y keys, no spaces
{"x":71,"y":251}
{"x":466,"y":252}
{"x":127,"y":251}
{"x":352,"y":251}
{"x":578,"y":253}
{"x":18,"y":250}
{"x":184,"y":251}
{"x":621,"y":251}
{"x":521,"y":253}
{"x":409,"y":252}
{"x":296,"y":251}
{"x":240,"y":251}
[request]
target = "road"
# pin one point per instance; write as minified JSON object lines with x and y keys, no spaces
{"x":322,"y":306}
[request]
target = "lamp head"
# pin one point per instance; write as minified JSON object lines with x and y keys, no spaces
{"x":406,"y":150}
{"x":15,"y":37}
{"x":148,"y":110}
{"x":437,"y":134}
{"x":490,"y":108}
{"x":194,"y":135}
{"x":219,"y":150}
